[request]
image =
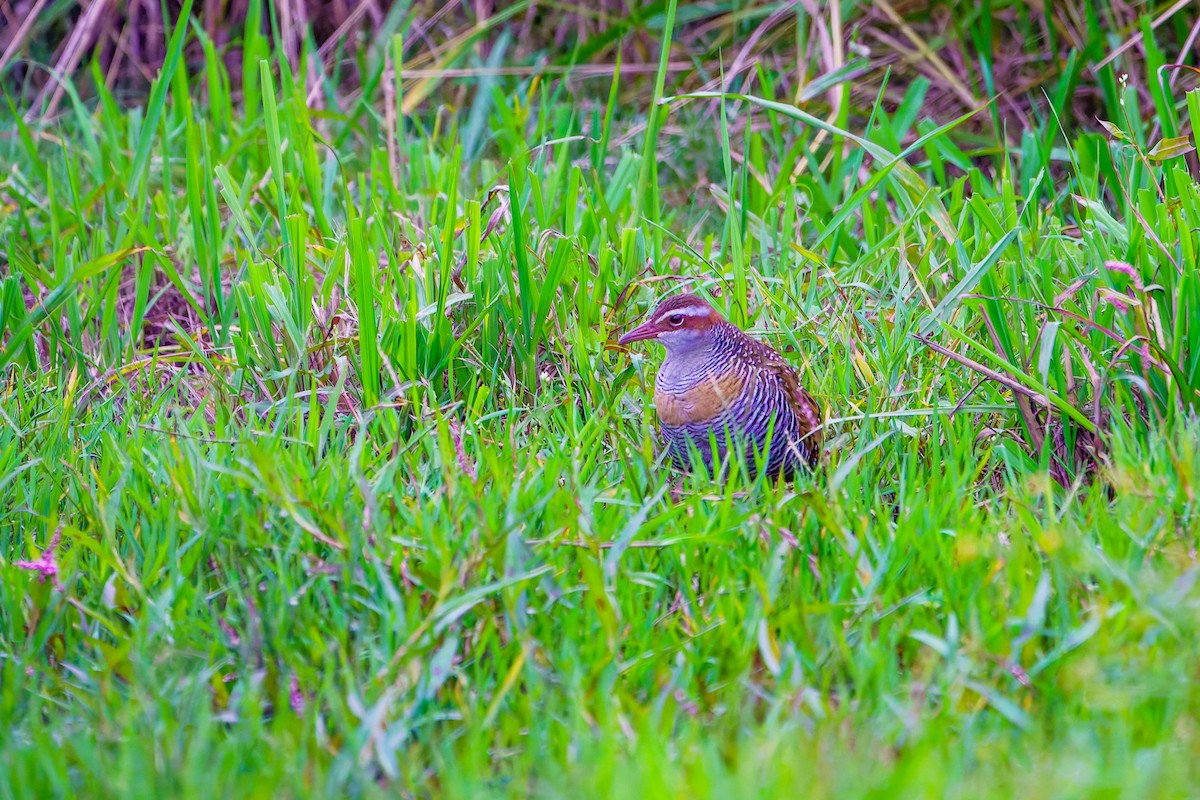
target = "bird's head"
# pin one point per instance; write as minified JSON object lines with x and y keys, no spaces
{"x":682,"y":322}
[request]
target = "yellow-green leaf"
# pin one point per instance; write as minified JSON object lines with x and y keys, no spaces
{"x":1171,"y":148}
{"x":1114,"y":131}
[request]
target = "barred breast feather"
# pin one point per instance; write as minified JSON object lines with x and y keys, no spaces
{"x":742,"y":395}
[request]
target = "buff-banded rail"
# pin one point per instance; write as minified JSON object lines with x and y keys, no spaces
{"x":720,"y":390}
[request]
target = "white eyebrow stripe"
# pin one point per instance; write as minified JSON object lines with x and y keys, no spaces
{"x":687,"y":311}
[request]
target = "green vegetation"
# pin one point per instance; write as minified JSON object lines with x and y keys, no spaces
{"x":321,"y":473}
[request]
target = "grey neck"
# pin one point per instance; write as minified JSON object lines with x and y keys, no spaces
{"x":683,"y":368}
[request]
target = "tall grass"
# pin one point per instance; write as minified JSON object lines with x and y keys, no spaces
{"x":339,"y":485}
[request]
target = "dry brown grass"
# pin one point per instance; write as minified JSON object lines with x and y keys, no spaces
{"x":1030,"y":44}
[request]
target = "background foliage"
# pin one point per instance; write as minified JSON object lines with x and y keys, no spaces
{"x":321,"y":473}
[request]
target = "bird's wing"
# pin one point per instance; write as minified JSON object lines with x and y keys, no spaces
{"x":808,"y":413}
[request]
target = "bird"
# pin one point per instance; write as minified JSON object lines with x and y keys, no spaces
{"x":720,"y":389}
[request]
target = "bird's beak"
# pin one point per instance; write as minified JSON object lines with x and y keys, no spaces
{"x":646,"y":330}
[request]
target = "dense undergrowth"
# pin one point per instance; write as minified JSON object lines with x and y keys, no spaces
{"x":321,"y":472}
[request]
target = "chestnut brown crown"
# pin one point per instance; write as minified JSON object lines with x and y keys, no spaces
{"x":677,"y":312}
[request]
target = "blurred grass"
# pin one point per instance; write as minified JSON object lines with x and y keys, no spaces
{"x":355,"y":495}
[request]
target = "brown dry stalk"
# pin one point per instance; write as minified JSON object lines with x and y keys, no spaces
{"x":82,"y":35}
{"x":934,"y":59}
{"x":22,"y":32}
{"x":1137,"y":37}
{"x":998,"y":377}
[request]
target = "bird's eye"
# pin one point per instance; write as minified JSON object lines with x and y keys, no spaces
{"x":675,"y":319}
